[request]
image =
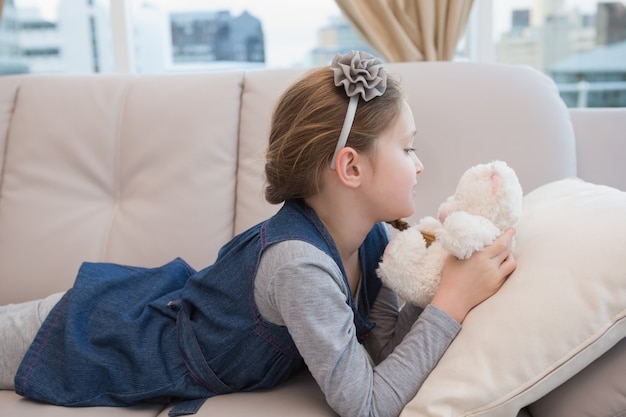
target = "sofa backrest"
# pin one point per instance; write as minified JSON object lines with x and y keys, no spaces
{"x":601,"y":145}
{"x":127,"y":169}
{"x":466,"y":113}
{"x":142,"y":169}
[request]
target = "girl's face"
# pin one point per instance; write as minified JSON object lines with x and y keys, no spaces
{"x":394,"y":169}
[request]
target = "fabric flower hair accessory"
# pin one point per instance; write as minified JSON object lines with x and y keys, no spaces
{"x":361,"y":74}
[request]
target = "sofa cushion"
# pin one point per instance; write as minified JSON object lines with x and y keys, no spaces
{"x":468,"y":113}
{"x":262,"y":89}
{"x":300,"y":396}
{"x":599,"y":390}
{"x":562,"y":308}
{"x":12,"y":404}
{"x":135,"y":170}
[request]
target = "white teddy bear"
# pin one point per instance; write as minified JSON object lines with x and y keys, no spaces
{"x":487,"y":201}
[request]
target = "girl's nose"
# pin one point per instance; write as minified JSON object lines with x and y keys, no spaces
{"x":419,"y":167}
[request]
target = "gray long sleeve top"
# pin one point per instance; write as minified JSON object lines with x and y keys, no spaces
{"x":301,"y":287}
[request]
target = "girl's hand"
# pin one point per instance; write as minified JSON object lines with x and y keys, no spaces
{"x":467,"y":283}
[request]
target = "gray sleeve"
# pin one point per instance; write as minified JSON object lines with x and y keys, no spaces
{"x":392,"y":324}
{"x":300,"y":287}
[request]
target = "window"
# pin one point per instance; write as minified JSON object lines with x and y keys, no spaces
{"x":581,"y":44}
{"x":197,"y":35}
{"x":40,"y":52}
{"x":55,"y":36}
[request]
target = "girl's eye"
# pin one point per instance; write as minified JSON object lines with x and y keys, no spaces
{"x":409,"y":151}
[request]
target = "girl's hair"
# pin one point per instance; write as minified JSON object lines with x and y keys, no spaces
{"x":305,"y":128}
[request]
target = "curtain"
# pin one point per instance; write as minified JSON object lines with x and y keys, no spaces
{"x":1,"y":7}
{"x":409,"y":30}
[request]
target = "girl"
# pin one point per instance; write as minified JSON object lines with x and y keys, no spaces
{"x":299,"y":289}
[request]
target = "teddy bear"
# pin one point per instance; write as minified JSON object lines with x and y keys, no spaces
{"x":487,"y":201}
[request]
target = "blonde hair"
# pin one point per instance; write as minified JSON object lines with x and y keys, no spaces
{"x":306,"y":124}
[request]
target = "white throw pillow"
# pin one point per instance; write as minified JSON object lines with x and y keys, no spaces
{"x":563,"y":307}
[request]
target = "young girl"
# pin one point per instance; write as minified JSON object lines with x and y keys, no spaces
{"x":298,"y":289}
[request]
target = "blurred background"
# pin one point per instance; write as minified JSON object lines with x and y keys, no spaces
{"x":581,"y":44}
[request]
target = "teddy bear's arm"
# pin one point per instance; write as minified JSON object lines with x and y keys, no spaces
{"x":463,"y":234}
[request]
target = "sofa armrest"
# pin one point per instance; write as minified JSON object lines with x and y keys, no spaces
{"x":601,"y":145}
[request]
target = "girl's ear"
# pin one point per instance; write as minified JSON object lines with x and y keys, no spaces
{"x":347,"y":167}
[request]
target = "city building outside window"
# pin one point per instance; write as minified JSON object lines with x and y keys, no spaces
{"x":581,"y":44}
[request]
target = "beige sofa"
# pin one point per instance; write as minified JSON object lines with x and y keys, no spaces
{"x":141,"y":169}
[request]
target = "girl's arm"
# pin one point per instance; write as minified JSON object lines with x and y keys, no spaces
{"x":392,"y":324}
{"x":302,"y":288}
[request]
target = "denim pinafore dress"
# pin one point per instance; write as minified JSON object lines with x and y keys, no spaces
{"x":124,"y":335}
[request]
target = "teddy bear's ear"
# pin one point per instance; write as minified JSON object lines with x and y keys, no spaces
{"x":496,"y":183}
{"x":445,"y":209}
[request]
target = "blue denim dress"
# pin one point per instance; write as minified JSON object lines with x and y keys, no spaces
{"x":124,"y":335}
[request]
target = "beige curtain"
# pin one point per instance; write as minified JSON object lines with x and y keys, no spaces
{"x":1,"y":7}
{"x":409,"y":30}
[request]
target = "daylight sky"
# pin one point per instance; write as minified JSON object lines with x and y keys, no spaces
{"x":290,"y":26}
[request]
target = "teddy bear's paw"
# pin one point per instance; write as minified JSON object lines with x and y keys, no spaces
{"x":402,"y":255}
{"x":421,"y":297}
{"x":463,"y":234}
{"x":415,"y":289}
{"x":428,"y":224}
{"x":402,"y":266}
